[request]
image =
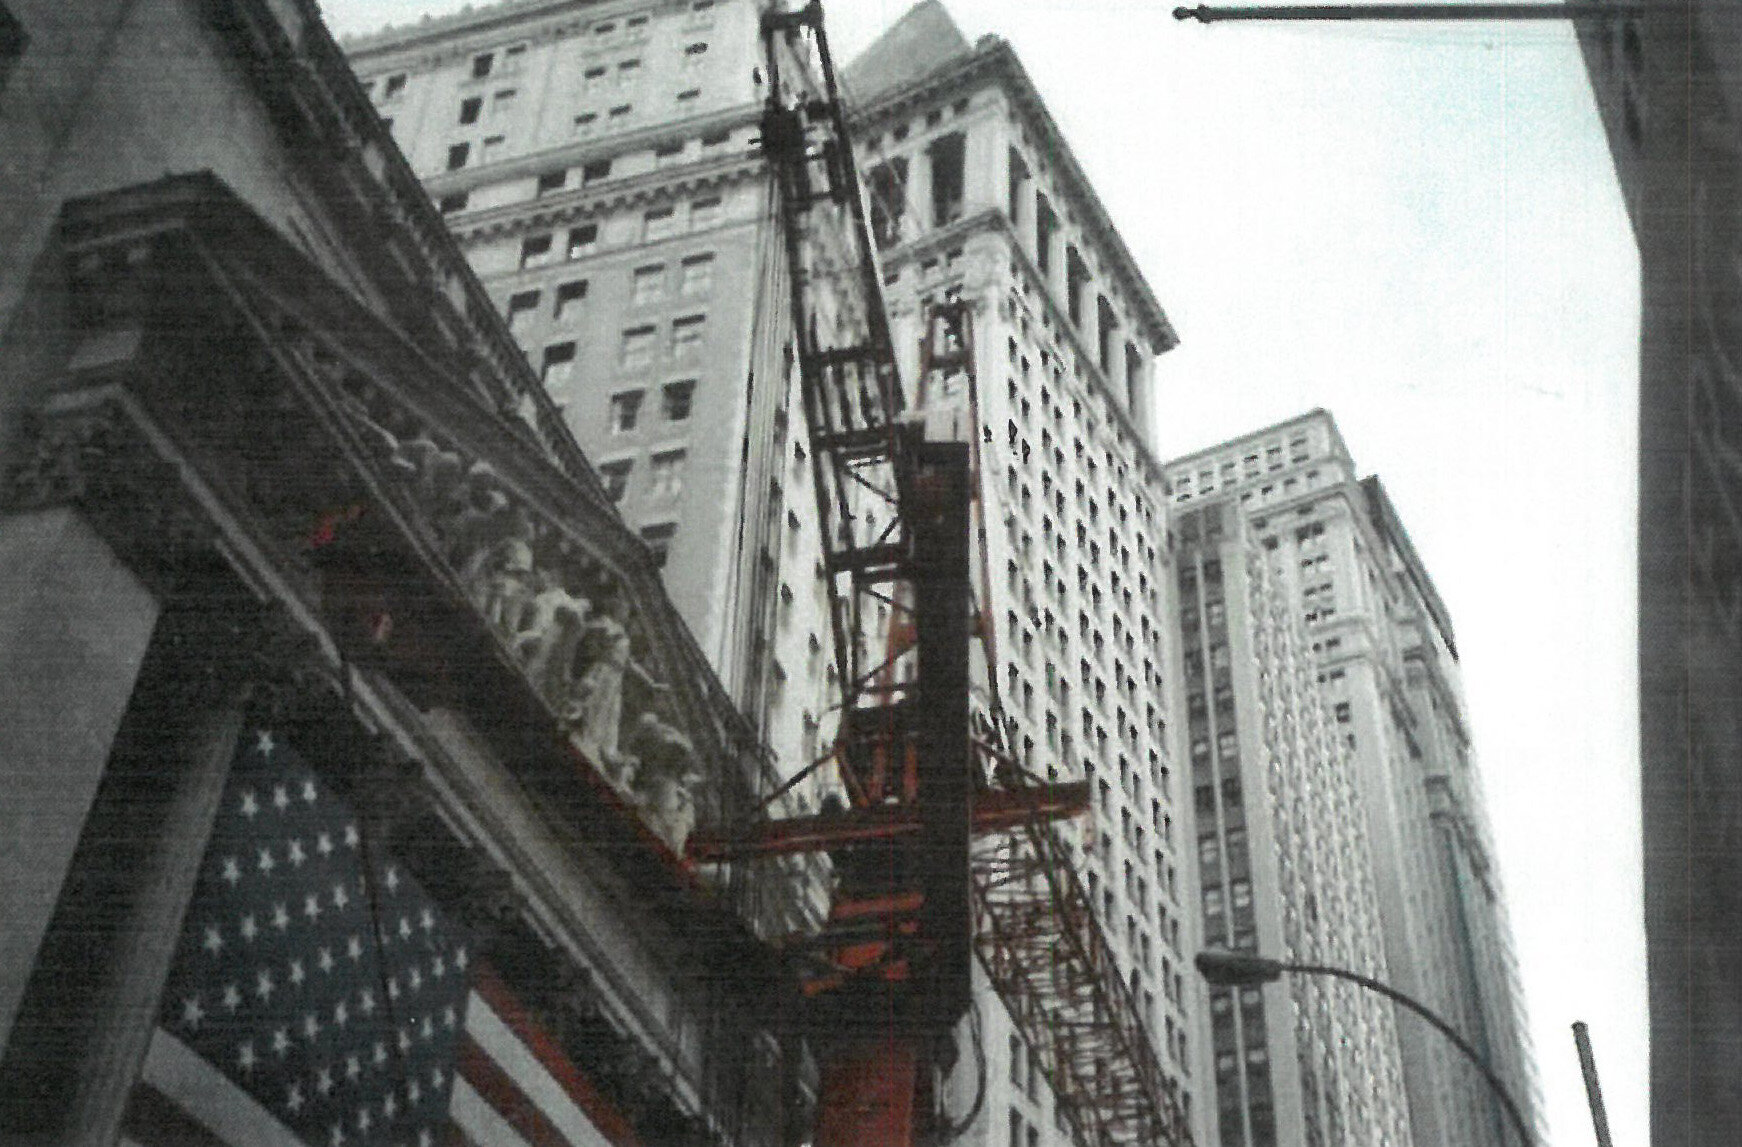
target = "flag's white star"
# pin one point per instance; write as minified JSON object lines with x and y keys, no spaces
{"x":428,"y":1032}
{"x":297,"y":975}
{"x":263,"y":985}
{"x":311,"y":1027}
{"x":413,"y":1091}
{"x":250,"y":805}
{"x":364,"y":1121}
{"x":426,"y":920}
{"x":280,"y":798}
{"x":311,"y":906}
{"x":324,"y":960}
{"x":324,"y":843}
{"x":461,"y":959}
{"x":438,"y":967}
{"x":378,"y":1056}
{"x":354,"y":947}
{"x":405,"y":928}
{"x":341,"y":898}
{"x":249,"y":928}
{"x":435,"y":1078}
{"x":392,"y":879}
{"x":389,"y":1106}
{"x":245,"y":1055}
{"x":232,"y":997}
{"x":265,"y":744}
{"x":415,"y":977}
{"x":232,"y":873}
{"x":308,"y":792}
{"x":366,"y":1002}
{"x":324,"y":1080}
{"x":338,"y":1136}
{"x":393,"y":987}
{"x":351,"y":837}
{"x":192,"y":1013}
{"x":280,"y":917}
{"x":353,"y":1067}
{"x":267,"y":864}
{"x":341,"y":1014}
{"x":425,"y":1139}
{"x":450,"y":1019}
{"x":295,"y":853}
{"x":293,"y":1098}
{"x":281,"y":1042}
{"x":403,"y":1040}
{"x":214,"y":939}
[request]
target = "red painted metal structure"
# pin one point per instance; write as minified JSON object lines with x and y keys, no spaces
{"x":948,"y":849}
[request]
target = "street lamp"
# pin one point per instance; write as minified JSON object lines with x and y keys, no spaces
{"x":1225,"y":969}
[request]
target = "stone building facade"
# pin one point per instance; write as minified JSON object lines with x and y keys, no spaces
{"x":1668,"y":82}
{"x":282,"y":499}
{"x":1387,"y":675}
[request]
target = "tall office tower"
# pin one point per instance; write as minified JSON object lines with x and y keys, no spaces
{"x":1387,"y":671}
{"x":1283,"y":860}
{"x":973,"y":193}
{"x":1665,"y":79}
{"x":594,"y":160}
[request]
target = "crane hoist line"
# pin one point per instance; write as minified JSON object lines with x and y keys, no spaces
{"x":946,"y":851}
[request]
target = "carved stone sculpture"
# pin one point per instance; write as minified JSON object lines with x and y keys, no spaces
{"x":665,"y":778}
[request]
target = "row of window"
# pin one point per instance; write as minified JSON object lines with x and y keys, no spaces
{"x":665,"y":471}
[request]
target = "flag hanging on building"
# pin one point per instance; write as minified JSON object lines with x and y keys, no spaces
{"x":319,"y":998}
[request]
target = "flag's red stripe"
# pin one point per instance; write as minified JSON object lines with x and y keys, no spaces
{"x":605,"y":1116}
{"x":155,"y":1120}
{"x":501,"y":1092}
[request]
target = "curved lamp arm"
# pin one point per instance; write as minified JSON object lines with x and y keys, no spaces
{"x":1236,"y":969}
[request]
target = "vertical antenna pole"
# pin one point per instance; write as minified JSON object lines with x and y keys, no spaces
{"x":1593,"y":1090}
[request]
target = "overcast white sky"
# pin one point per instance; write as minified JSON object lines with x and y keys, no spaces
{"x":1416,"y":227}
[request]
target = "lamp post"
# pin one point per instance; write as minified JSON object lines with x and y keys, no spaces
{"x":1240,"y":970}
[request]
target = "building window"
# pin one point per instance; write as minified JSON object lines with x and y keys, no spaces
{"x":457,"y":155}
{"x":697,"y":275}
{"x":946,"y":155}
{"x":470,"y":108}
{"x":716,"y":138}
{"x":676,"y":399}
{"x":694,"y":56}
{"x":394,"y":87}
{"x":658,"y":223}
{"x":582,"y":239}
{"x":482,"y":64}
{"x":593,"y":77}
{"x":686,"y":336}
{"x":637,"y":350}
{"x":502,"y":102}
{"x":666,"y":471}
{"x":568,"y":297}
{"x":521,"y":308}
{"x":615,"y":476}
{"x":668,"y":153}
{"x":452,"y":203}
{"x":586,"y":122}
{"x":552,"y":181}
{"x":887,"y":185}
{"x":625,"y":411}
{"x":559,"y":363}
{"x":621,"y":111}
{"x":649,"y":283}
{"x":513,"y":58}
{"x":493,"y":145}
{"x":1046,"y":225}
{"x":535,"y":251}
{"x":627,"y":70}
{"x":704,"y":213}
{"x":658,"y":539}
{"x":689,"y":95}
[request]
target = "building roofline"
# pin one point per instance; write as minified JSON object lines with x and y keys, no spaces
{"x":994,"y":55}
{"x":396,"y":37}
{"x":1317,"y":413}
{"x":1384,"y":516}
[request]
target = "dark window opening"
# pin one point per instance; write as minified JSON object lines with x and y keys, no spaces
{"x":947,"y":155}
{"x":595,"y":170}
{"x":1046,"y":225}
{"x":1076,"y":279}
{"x":481,"y":65}
{"x":471,"y":108}
{"x":457,"y":155}
{"x":1018,"y":182}
{"x":887,"y":183}
{"x":552,"y":181}
{"x":658,"y":539}
{"x":454,"y":202}
{"x":1108,"y":334}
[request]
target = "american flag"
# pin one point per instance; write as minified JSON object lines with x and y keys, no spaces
{"x":319,"y":998}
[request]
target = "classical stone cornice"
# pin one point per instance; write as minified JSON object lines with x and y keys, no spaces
{"x":436,"y":41}
{"x":584,"y":203}
{"x":992,"y":59}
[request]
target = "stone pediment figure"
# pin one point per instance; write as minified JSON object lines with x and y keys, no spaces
{"x":666,"y":775}
{"x":548,"y":634}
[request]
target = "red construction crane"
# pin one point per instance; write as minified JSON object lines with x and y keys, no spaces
{"x":947,"y":849}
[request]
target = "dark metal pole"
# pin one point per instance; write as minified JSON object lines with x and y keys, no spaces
{"x":1593,"y":1091}
{"x":1440,"y":1025}
{"x":1205,"y":14}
